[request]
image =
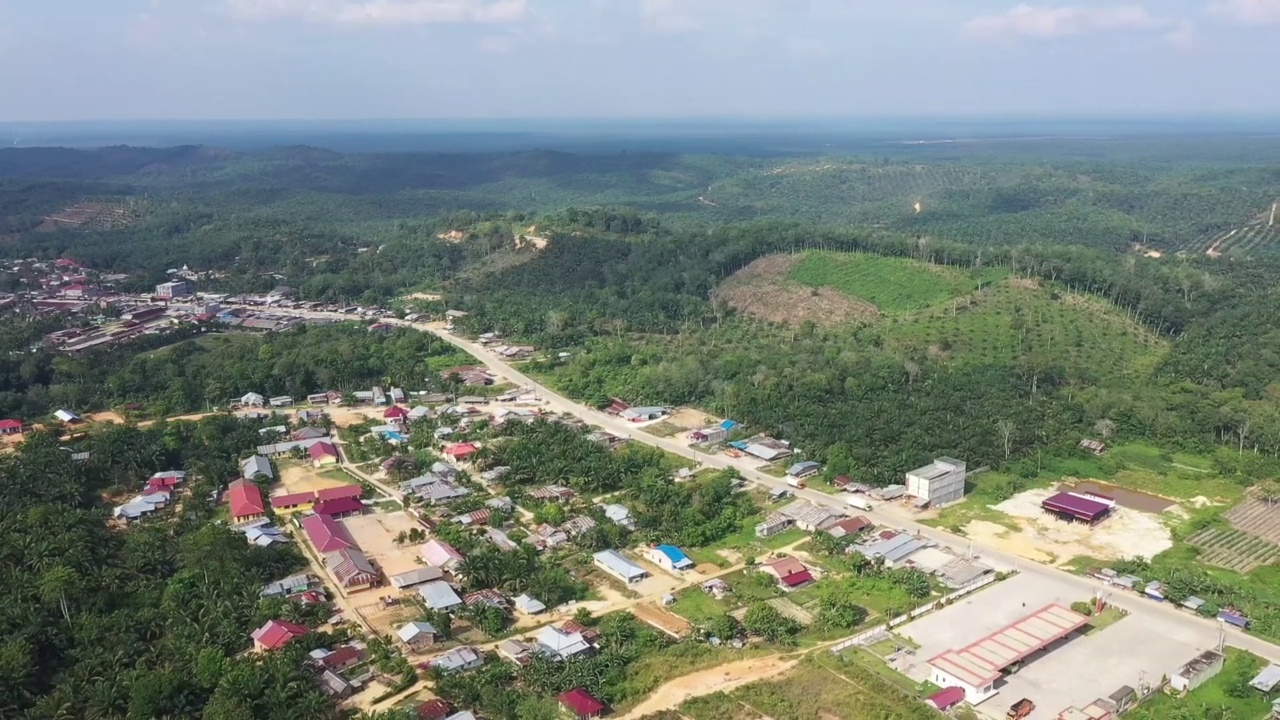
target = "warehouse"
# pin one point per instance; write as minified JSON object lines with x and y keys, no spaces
{"x":977,"y":666}
{"x":1075,"y":507}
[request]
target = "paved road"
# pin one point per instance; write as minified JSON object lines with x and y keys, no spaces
{"x":1087,"y":586}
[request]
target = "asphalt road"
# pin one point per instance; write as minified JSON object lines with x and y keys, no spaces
{"x":1086,"y":586}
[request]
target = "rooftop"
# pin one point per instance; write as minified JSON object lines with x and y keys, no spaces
{"x":980,"y":663}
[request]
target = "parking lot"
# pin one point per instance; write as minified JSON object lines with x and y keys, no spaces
{"x":1073,"y":671}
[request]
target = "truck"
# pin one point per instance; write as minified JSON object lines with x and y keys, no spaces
{"x":1020,"y":709}
{"x":795,"y":482}
{"x":856,"y":502}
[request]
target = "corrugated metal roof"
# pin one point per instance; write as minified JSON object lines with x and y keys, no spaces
{"x":981,"y":662}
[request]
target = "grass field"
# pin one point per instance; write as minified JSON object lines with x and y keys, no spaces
{"x":894,"y":285}
{"x":1214,"y":695}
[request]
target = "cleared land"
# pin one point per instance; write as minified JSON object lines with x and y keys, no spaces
{"x":651,"y":614}
{"x":893,"y":285}
{"x":762,"y":290}
{"x":1233,"y":549}
{"x":720,"y":679}
{"x":296,"y":477}
{"x":376,"y":533}
{"x":1256,"y":517}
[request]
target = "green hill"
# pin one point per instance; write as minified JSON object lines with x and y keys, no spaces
{"x":893,"y":285}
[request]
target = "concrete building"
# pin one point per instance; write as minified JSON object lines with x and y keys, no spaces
{"x":177,"y":288}
{"x":612,"y":562}
{"x":939,"y":482}
{"x":1200,"y":668}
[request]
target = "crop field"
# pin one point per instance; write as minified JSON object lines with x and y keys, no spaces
{"x":1260,"y":235}
{"x":894,"y":285}
{"x":1015,"y":319}
{"x":1256,"y":517}
{"x":1234,"y":550}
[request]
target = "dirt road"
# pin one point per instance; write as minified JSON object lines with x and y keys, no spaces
{"x":704,"y":682}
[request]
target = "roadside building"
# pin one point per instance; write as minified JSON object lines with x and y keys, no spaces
{"x":458,"y":659}
{"x":613,"y":562}
{"x":291,"y":585}
{"x":805,"y":469}
{"x":1195,"y":672}
{"x":848,"y":528}
{"x":939,"y":482}
{"x":415,"y":577}
{"x":946,"y":698}
{"x":417,"y":635}
{"x":669,"y":557}
{"x":773,"y":524}
{"x":1075,"y":507}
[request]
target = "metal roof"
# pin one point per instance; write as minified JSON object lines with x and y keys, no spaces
{"x":618,"y":564}
{"x":1076,"y":505}
{"x":1266,"y":680}
{"x":980,"y":663}
{"x":439,"y":595}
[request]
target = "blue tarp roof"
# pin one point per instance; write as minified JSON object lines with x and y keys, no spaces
{"x":739,"y":444}
{"x":728,"y":425}
{"x":673,"y":553}
{"x":1234,"y":619}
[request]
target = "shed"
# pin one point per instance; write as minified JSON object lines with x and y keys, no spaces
{"x":529,"y":605}
{"x":804,"y":469}
{"x":612,"y":562}
{"x":946,"y":698}
{"x":1193,"y":603}
{"x":417,"y":634}
{"x":439,"y":595}
{"x":1075,"y":507}
{"x":1195,"y":672}
{"x":891,"y":492}
{"x":1235,"y":619}
{"x":1266,"y":680}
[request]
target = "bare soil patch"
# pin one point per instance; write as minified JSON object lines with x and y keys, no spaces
{"x":1126,"y":533}
{"x":452,"y":236}
{"x":376,"y":533}
{"x":690,"y":419}
{"x":296,"y":477}
{"x":423,"y":296}
{"x":385,"y":620}
{"x":762,"y":290}
{"x":109,"y":416}
{"x":720,"y":679}
{"x":667,"y":622}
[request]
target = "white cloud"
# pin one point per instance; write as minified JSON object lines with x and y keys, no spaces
{"x":381,"y":12}
{"x":1182,"y":36}
{"x":668,"y":16}
{"x":1247,"y":12}
{"x":1043,"y":21}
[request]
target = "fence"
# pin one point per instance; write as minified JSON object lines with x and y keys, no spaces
{"x":858,"y":639}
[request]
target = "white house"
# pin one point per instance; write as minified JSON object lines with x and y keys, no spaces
{"x":612,"y":562}
{"x":669,"y":558}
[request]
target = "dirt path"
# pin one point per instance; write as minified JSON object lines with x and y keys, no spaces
{"x":718,"y":679}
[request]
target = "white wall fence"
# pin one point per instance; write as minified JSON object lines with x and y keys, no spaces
{"x":941,"y":602}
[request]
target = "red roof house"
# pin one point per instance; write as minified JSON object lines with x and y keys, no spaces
{"x":434,"y":709}
{"x":395,"y":412}
{"x":461,"y":451}
{"x":292,"y":500}
{"x":323,"y":453}
{"x":783,"y":566}
{"x":326,"y":533}
{"x":946,"y":698}
{"x":342,"y":491}
{"x":339,"y":507}
{"x":796,"y":579}
{"x":10,"y":427}
{"x":580,"y":703}
{"x":342,"y":658}
{"x":246,"y":501}
{"x":276,"y":634}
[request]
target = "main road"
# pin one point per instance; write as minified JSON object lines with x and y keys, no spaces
{"x":554,"y":401}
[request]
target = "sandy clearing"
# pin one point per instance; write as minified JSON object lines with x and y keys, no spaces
{"x":423,"y":296}
{"x":1126,"y":533}
{"x":690,"y":419}
{"x":109,"y":416}
{"x":376,"y":533}
{"x":718,"y":679}
{"x":296,"y":477}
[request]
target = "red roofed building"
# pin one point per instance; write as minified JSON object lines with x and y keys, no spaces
{"x":580,"y":703}
{"x":339,"y":507}
{"x":342,"y":491}
{"x":10,"y":427}
{"x":395,"y":412}
{"x":946,"y":698}
{"x":796,"y":579}
{"x":326,"y":534}
{"x":434,"y":709}
{"x":1077,"y":507}
{"x":276,"y":634}
{"x":342,"y":658}
{"x":292,"y":502}
{"x":323,"y":453}
{"x":461,"y":451}
{"x":246,"y":501}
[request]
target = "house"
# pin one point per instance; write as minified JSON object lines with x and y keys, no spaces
{"x":1093,"y":446}
{"x":773,"y":524}
{"x":352,"y":569}
{"x":545,"y":537}
{"x":643,"y":414}
{"x":275,"y":634}
{"x":551,"y":493}
{"x":10,"y":427}
{"x":1266,"y":680}
{"x":395,"y":412}
{"x":417,"y":635}
{"x":529,"y":605}
{"x":341,"y":658}
{"x":318,"y":398}
{"x":309,"y":433}
{"x":516,"y":651}
{"x":461,"y":451}
{"x":334,"y":685}
{"x":939,"y":482}
{"x":620,"y":515}
{"x":289,"y":586}
{"x":946,"y":698}
{"x":264,"y":535}
{"x":716,"y":588}
{"x":326,"y":534}
{"x":808,"y":516}
{"x":575,"y":526}
{"x":418,"y":413}
{"x":441,"y":554}
{"x":323,"y":453}
{"x":612,"y":562}
{"x":580,"y":704}
{"x":893,"y":547}
{"x":487,"y":597}
{"x":253,"y":399}
{"x":339,"y":507}
{"x":68,"y":417}
{"x":764,"y":448}
{"x":439,"y":595}
{"x":246,"y":501}
{"x":805,"y":469}
{"x":848,"y":527}
{"x":135,"y":510}
{"x":434,"y":709}
{"x":498,"y":538}
{"x":252,"y":467}
{"x":669,"y":558}
{"x":1195,"y":672}
{"x":501,"y":504}
{"x":417,"y":576}
{"x":379,"y":397}
{"x":558,"y":644}
{"x":458,"y":659}
{"x":280,"y":401}
{"x":790,"y":572}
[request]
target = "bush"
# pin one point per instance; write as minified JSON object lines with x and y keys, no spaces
{"x":1083,"y":607}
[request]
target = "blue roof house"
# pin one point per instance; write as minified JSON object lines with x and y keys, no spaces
{"x":669,"y":557}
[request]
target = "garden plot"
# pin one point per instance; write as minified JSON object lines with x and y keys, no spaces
{"x":1234,"y":549}
{"x":790,"y":609}
{"x":1256,"y":517}
{"x":1125,"y":533}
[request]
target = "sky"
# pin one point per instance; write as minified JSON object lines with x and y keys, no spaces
{"x":767,"y":59}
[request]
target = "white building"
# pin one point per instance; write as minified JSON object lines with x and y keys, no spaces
{"x":612,"y":562}
{"x":177,"y":288}
{"x":939,"y":482}
{"x":1194,"y":673}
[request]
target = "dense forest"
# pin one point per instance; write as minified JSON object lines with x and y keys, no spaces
{"x":149,"y":623}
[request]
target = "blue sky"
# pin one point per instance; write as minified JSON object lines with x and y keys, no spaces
{"x":326,"y":59}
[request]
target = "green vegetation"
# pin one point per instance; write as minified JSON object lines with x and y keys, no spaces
{"x":1226,"y":696}
{"x":819,"y":686}
{"x":894,"y":285}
